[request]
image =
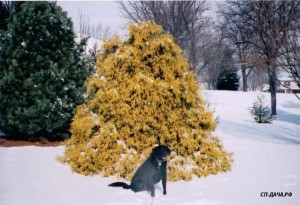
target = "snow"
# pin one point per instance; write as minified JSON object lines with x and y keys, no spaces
{"x":233,"y":110}
{"x":91,"y":42}
{"x":266,"y":159}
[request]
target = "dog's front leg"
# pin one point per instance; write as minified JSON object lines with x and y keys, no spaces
{"x":164,"y":177}
{"x":152,"y":189}
{"x":164,"y":183}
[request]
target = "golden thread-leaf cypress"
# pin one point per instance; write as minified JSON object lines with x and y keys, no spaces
{"x":141,"y":95}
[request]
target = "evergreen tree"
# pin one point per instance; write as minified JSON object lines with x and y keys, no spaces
{"x":42,"y":71}
{"x":6,"y":10}
{"x":4,"y":15}
{"x":142,"y":94}
{"x":228,"y":80}
{"x":260,"y":111}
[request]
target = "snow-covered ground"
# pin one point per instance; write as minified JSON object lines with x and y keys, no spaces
{"x":266,"y":162}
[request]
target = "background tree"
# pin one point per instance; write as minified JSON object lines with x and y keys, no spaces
{"x":290,"y":60}
{"x":97,"y":31}
{"x":228,"y":80}
{"x":267,"y":23}
{"x":221,"y":60}
{"x":141,"y":95}
{"x":42,"y":72}
{"x":258,"y":79}
{"x":95,"y":34}
{"x":233,"y":30}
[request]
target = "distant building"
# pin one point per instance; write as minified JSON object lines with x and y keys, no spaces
{"x":287,"y":85}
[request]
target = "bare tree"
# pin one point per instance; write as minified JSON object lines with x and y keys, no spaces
{"x":221,"y":59}
{"x":267,"y":23}
{"x":88,"y":30}
{"x":258,"y":78}
{"x":183,"y":19}
{"x":233,"y":30}
{"x":274,"y":20}
{"x":97,"y":31}
{"x":291,"y":57}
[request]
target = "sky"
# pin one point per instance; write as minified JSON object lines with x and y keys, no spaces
{"x":106,"y":13}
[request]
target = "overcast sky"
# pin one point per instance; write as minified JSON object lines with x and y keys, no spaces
{"x":106,"y":13}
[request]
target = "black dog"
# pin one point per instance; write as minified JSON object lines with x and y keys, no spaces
{"x":150,"y":172}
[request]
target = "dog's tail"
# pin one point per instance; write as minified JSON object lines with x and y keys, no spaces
{"x":120,"y":184}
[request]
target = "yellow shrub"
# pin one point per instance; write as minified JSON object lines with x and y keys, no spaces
{"x":143,"y":94}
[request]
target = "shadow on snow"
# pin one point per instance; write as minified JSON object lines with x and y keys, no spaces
{"x":262,"y":132}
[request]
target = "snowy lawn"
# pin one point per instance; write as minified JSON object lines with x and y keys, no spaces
{"x":266,"y":161}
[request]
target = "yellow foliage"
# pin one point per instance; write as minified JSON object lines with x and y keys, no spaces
{"x":141,"y":95}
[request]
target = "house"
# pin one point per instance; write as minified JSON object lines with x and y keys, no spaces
{"x":287,"y":85}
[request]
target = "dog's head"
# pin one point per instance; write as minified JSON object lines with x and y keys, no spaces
{"x":161,"y":152}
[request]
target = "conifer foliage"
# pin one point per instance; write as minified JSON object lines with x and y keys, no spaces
{"x":142,"y":95}
{"x":260,"y":111}
{"x":42,"y":72}
{"x":228,"y":80}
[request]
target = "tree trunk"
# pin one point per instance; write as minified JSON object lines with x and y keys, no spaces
{"x":273,"y":87}
{"x":244,"y":76}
